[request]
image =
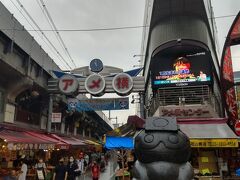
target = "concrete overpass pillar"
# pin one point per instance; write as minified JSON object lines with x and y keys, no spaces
{"x":83,"y":132}
{"x":63,"y":126}
{"x":89,"y":131}
{"x":75,"y":131}
{"x":2,"y":102}
{"x":9,"y":113}
{"x":50,"y":109}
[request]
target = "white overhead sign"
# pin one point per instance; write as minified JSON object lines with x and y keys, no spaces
{"x":68,"y":84}
{"x":122,"y":83}
{"x":95,"y":84}
{"x":138,"y":85}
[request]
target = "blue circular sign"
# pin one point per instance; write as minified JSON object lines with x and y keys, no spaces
{"x":96,"y":65}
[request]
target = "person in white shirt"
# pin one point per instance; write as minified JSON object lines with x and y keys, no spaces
{"x":86,"y":158}
{"x":23,"y":171}
{"x":41,"y":169}
{"x":202,"y":76}
{"x":80,"y":169}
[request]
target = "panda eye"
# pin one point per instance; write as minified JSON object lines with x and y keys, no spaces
{"x":148,"y":138}
{"x":173,"y":139}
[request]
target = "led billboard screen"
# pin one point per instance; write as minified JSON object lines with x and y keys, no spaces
{"x":180,"y":69}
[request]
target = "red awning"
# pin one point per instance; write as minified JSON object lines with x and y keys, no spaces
{"x":12,"y":136}
{"x":48,"y":137}
{"x":69,"y":140}
{"x":136,"y":121}
{"x":44,"y":137}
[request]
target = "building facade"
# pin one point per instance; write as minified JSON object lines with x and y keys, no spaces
{"x":182,"y":73}
{"x":25,"y":69}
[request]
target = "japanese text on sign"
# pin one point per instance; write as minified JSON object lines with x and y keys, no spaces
{"x":122,"y":83}
{"x":184,"y":112}
{"x":56,"y":117}
{"x":68,"y":84}
{"x":95,"y":84}
{"x":206,"y":143}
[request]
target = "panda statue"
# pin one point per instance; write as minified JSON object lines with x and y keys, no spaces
{"x":162,"y":151}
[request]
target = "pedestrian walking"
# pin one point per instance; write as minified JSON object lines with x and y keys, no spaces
{"x":23,"y":171}
{"x":60,"y":171}
{"x":41,"y":169}
{"x":86,"y":161}
{"x":95,"y":171}
{"x":80,"y":170}
{"x":12,"y":175}
{"x":71,"y":167}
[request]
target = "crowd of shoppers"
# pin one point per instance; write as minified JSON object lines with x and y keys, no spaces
{"x":67,"y":168}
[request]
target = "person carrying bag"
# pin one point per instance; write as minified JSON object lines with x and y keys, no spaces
{"x":40,"y":170}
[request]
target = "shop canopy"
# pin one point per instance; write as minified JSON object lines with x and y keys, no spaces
{"x":208,"y":131}
{"x":210,"y":135}
{"x":12,"y":136}
{"x":69,"y":140}
{"x":92,"y":142}
{"x":43,"y":137}
{"x":48,"y":137}
{"x":113,"y":143}
{"x":134,"y":124}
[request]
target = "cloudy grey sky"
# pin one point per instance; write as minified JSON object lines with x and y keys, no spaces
{"x":224,"y":8}
{"x":114,"y":47}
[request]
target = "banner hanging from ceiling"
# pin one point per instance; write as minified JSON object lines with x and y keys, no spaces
{"x":98,"y":104}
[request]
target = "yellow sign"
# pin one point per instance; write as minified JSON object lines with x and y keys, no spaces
{"x":207,"y":143}
{"x":205,"y":171}
{"x":238,"y":92}
{"x":204,"y":159}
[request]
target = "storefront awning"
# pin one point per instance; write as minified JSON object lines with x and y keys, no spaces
{"x":92,"y":142}
{"x":11,"y":136}
{"x":58,"y":144}
{"x":69,"y":140}
{"x":114,"y":143}
{"x":44,"y":137}
{"x":134,"y":123}
{"x":210,"y":135}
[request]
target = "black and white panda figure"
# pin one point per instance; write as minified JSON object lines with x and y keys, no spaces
{"x":162,"y":151}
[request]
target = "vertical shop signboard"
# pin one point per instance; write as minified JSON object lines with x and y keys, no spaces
{"x":238,"y":98}
{"x":56,"y":117}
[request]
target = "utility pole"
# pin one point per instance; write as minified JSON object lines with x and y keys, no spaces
{"x":141,"y":96}
{"x":50,"y":109}
{"x":112,"y":118}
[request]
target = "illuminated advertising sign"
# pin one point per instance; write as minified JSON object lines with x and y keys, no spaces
{"x":180,"y":70}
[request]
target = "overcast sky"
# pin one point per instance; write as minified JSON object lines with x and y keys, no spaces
{"x":114,"y":47}
{"x":224,"y":8}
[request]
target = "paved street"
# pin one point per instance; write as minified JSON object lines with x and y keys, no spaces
{"x":106,"y":175}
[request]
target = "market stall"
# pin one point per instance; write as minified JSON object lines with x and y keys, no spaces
{"x":97,"y":146}
{"x":122,"y":146}
{"x":214,"y":149}
{"x":18,"y":143}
